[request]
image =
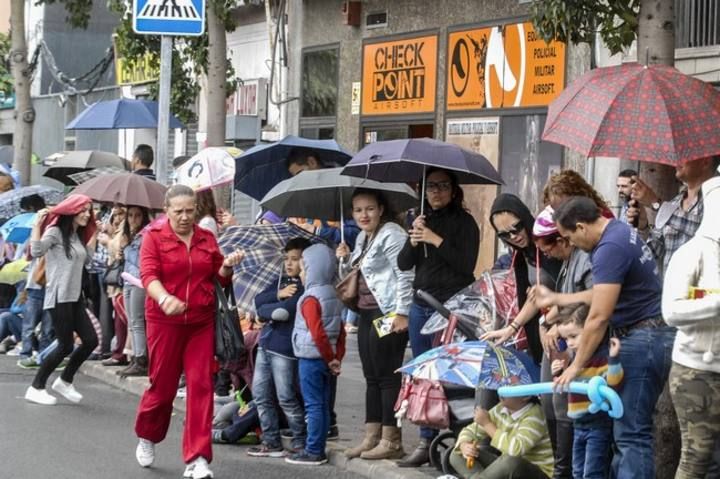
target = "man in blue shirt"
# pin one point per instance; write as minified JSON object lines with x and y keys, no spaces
{"x":626,"y":297}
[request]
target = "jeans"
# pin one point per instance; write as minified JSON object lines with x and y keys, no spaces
{"x":34,"y":313}
{"x":419,"y":343}
{"x":47,"y":351}
{"x":68,"y":318}
{"x":646,"y":359}
{"x":315,"y":384}
{"x":591,"y":450}
{"x":135,"y":310}
{"x":380,"y":358}
{"x":275,"y":375}
{"x":351,"y":317}
{"x":10,"y":325}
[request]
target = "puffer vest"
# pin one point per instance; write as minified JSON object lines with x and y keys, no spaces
{"x":331,"y":309}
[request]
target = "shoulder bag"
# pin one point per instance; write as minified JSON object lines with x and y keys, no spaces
{"x":347,"y":288}
{"x":229,"y":341}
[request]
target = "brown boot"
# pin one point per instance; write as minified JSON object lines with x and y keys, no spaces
{"x":139,"y":368}
{"x":390,"y":446}
{"x":372,"y":438}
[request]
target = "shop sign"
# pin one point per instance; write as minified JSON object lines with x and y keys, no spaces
{"x":145,"y":68}
{"x":400,"y":77}
{"x":503,"y":67}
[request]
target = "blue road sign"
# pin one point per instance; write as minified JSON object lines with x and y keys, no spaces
{"x":169,"y":17}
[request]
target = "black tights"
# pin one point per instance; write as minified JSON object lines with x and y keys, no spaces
{"x":380,"y":357}
{"x":66,"y":319}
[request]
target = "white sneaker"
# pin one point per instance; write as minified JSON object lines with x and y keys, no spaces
{"x":40,"y":396}
{"x":145,"y":452}
{"x":67,"y":390}
{"x":198,"y":469}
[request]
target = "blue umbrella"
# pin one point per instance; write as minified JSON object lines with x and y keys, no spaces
{"x":18,"y":228}
{"x":473,"y":364}
{"x":407,"y":160}
{"x":120,"y":114}
{"x":261,"y":167}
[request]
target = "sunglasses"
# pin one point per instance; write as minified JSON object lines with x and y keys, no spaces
{"x":438,"y":186}
{"x":515,"y":229}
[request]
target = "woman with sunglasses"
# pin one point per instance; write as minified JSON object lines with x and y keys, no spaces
{"x":513,"y":224}
{"x":443,"y":249}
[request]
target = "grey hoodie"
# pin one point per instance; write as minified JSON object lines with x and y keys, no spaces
{"x":320,"y":269}
{"x":697,"y":264}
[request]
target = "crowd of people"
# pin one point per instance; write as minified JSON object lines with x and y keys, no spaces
{"x":632,"y":299}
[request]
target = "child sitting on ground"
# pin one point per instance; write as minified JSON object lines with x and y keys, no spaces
{"x":519,"y":443}
{"x":593,"y":434}
{"x":319,"y":344}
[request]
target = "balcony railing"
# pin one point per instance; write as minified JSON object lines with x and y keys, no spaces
{"x":696,"y":23}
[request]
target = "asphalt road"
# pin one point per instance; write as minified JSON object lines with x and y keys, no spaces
{"x":95,"y":439}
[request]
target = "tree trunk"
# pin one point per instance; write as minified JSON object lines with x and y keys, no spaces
{"x":656,"y":45}
{"x":24,"y":112}
{"x":217,"y":68}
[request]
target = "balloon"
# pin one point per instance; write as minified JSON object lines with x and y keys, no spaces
{"x":602,"y":397}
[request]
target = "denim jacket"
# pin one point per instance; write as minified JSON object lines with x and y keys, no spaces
{"x":391,"y":287}
{"x":131,"y":253}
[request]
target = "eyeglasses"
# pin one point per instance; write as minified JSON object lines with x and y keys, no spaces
{"x":514,"y":230}
{"x":438,"y":186}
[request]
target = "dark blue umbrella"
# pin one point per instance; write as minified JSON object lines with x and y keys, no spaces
{"x":261,"y":167}
{"x":407,"y":161}
{"x":120,"y":114}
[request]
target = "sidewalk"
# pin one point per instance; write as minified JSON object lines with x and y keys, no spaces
{"x":350,"y":408}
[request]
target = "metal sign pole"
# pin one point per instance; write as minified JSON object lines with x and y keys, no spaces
{"x":163,"y":132}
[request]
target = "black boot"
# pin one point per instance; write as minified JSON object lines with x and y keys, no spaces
{"x":139,"y":368}
{"x":127,"y":367}
{"x":419,"y":457}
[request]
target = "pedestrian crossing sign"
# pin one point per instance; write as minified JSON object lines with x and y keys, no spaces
{"x":169,"y":17}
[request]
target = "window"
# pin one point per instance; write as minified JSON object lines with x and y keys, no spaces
{"x":319,"y":83}
{"x":697,"y":23}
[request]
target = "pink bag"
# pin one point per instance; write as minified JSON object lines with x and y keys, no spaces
{"x":426,"y":404}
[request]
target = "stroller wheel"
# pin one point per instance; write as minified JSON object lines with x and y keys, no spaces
{"x":445,"y":463}
{"x":439,"y":446}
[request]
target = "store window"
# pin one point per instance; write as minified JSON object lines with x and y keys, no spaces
{"x":318,"y":108}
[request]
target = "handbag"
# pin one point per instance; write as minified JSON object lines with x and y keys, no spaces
{"x":113,"y":275}
{"x":424,"y":403}
{"x":347,"y":289}
{"x":38,"y":276}
{"x":229,"y":341}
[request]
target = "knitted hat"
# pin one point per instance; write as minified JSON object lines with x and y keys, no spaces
{"x":544,"y":223}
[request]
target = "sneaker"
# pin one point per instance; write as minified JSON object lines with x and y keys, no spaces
{"x":181,"y":393}
{"x":198,"y":469}
{"x":67,"y":390}
{"x":306,"y":459}
{"x":264,"y":450}
{"x":333,"y":433}
{"x":217,"y":437}
{"x":15,"y":351}
{"x":40,"y":396}
{"x":145,"y":452}
{"x":28,"y":363}
{"x":7,"y":344}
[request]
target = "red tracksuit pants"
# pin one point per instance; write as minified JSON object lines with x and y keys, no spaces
{"x":172,"y":349}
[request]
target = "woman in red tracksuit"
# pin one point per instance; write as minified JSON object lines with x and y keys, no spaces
{"x":178,"y":264}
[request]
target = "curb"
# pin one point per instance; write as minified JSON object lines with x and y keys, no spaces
{"x":370,"y":469}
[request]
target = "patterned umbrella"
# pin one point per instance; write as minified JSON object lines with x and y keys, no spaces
{"x":472,"y":364}
{"x":639,"y":113}
{"x":88,"y":175}
{"x":10,"y":200}
{"x":18,"y":228}
{"x":211,"y":167}
{"x":263,"y":247}
{"x":79,"y":161}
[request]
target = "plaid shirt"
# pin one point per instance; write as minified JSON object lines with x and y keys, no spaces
{"x":681,"y":226}
{"x":100,"y":258}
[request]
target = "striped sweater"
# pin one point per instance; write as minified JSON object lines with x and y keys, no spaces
{"x":598,"y":365}
{"x":522,"y":433}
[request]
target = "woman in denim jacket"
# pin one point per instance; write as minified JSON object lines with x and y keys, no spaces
{"x":137,"y":219}
{"x":382,"y":289}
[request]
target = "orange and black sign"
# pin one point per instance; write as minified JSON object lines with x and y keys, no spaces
{"x":400,"y":77}
{"x":503,"y":67}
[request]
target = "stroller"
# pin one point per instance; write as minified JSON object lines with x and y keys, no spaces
{"x":487,"y":304}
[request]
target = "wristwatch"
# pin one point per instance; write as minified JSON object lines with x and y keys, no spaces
{"x":162,"y":299}
{"x":656,"y":206}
